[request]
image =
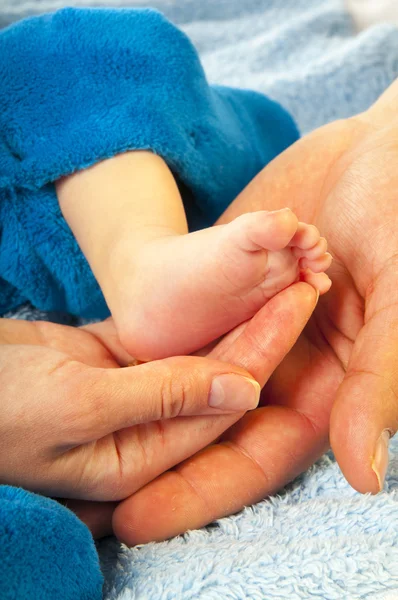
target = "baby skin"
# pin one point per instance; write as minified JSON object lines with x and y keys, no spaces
{"x":171,"y":292}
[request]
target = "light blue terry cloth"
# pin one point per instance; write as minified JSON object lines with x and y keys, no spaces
{"x":302,"y":53}
{"x":318,"y":540}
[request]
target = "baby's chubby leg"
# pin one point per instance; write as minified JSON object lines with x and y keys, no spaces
{"x":114,"y":209}
{"x":171,"y":292}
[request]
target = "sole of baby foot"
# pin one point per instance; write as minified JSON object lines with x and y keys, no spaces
{"x":189,"y":290}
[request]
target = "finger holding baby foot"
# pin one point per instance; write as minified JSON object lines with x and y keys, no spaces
{"x":170,"y":505}
{"x":224,"y":477}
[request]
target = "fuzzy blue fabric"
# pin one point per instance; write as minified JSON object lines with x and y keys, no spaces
{"x":46,"y":552}
{"x":78,"y":86}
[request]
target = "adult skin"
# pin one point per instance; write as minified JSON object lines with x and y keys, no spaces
{"x":342,"y":375}
{"x":73,"y":424}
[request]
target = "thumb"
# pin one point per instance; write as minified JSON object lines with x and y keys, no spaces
{"x":113,"y":399}
{"x":365,"y":411}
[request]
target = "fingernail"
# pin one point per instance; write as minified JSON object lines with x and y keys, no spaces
{"x":380,"y":459}
{"x":317,"y":297}
{"x":234,"y":393}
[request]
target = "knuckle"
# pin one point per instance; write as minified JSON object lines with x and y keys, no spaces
{"x":176,"y":392}
{"x":95,"y":405}
{"x":87,"y":408}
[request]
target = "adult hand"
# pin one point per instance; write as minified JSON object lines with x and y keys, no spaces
{"x":343,"y":371}
{"x":74,"y":425}
{"x":67,"y":412}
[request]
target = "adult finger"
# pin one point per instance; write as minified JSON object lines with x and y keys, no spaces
{"x":105,"y":332}
{"x":365,"y":412}
{"x":114,"y":399}
{"x":224,"y":477}
{"x":96,"y":515}
{"x":65,"y":405}
{"x":71,"y":341}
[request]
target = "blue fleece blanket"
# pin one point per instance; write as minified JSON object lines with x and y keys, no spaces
{"x":318,"y":539}
{"x":78,"y":86}
{"x":46,"y":553}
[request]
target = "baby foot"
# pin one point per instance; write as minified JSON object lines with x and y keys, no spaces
{"x":188,"y":290}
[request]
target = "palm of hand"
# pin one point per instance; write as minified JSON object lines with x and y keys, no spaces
{"x":343,"y":178}
{"x":363,"y":234}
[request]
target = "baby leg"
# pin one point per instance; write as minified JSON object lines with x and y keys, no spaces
{"x":171,"y":292}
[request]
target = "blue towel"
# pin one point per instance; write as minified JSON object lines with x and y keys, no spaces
{"x":46,"y":552}
{"x":318,"y":539}
{"x":78,"y":86}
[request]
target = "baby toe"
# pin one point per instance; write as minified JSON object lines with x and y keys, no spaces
{"x":317,"y":265}
{"x":306,"y":236}
{"x":320,"y":281}
{"x":312,"y":253}
{"x":263,"y":230}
